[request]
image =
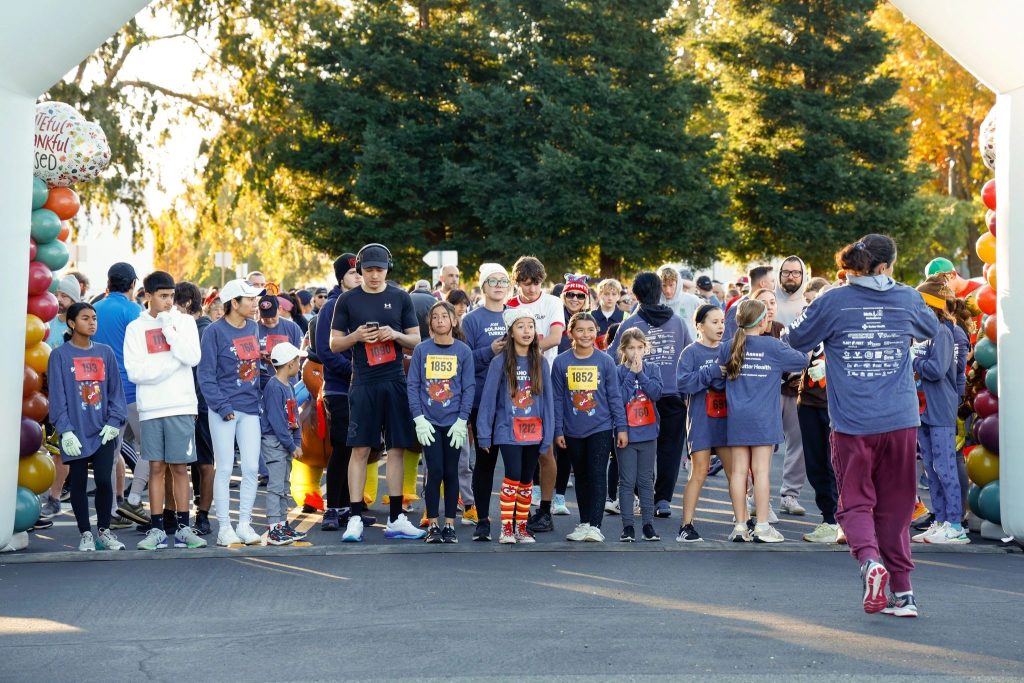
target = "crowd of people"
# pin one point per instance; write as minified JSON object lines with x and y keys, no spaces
{"x":612,"y":388}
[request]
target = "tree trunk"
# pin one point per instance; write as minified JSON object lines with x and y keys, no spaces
{"x":609,"y":265}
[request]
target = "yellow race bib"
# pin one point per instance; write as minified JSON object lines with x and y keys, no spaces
{"x":441,"y":367}
{"x":582,"y":377}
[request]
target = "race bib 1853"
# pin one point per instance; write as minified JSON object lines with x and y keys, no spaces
{"x":441,"y":367}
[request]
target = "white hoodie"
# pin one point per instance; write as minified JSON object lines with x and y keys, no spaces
{"x":159,"y":354}
{"x":790,"y":306}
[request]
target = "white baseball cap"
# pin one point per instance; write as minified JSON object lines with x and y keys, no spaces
{"x":284,"y":353}
{"x":239,"y":287}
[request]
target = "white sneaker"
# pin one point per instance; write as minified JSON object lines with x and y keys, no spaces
{"x":922,"y":537}
{"x":752,"y":510}
{"x":354,"y":530}
{"x":636,"y":506}
{"x":612,"y":507}
{"x":226,"y":536}
{"x":766,"y":533}
{"x":579,"y":533}
{"x":947,"y":535}
{"x":558,"y":506}
{"x":823,"y":533}
{"x":88,"y":543}
{"x":740,"y":534}
{"x":247,"y":534}
{"x":109,"y":541}
{"x":594,"y":535}
{"x":404,"y":529}
{"x":791,"y":506}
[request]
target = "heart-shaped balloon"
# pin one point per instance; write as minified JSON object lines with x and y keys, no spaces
{"x":68,"y":149}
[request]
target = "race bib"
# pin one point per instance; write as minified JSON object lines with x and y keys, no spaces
{"x":156,"y":342}
{"x":922,"y":403}
{"x":639,"y":412}
{"x":273,"y":340}
{"x":90,"y":369}
{"x":441,"y":367}
{"x":526,"y":429}
{"x":715,"y":405}
{"x":582,"y":377}
{"x":293,"y":419}
{"x":378,"y":353}
{"x":247,"y":348}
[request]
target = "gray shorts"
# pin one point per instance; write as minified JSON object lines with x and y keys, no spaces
{"x":170,"y":439}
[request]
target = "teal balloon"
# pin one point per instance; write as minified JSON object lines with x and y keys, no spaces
{"x":972,"y":499}
{"x":40,"y":193}
{"x":52,"y":289}
{"x":45,"y":226}
{"x":991,"y":379}
{"x":54,"y":254}
{"x":988,"y":502}
{"x":985,"y":353}
{"x":26,"y":509}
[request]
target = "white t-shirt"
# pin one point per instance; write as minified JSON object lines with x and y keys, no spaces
{"x":547,"y":313}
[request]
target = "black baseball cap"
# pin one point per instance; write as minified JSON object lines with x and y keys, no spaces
{"x":704,"y":283}
{"x":122,"y":272}
{"x":268,"y":306}
{"x":374,"y":256}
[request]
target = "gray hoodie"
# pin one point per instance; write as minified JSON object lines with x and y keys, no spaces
{"x":790,"y":305}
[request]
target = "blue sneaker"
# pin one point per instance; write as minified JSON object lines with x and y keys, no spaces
{"x":662,"y":509}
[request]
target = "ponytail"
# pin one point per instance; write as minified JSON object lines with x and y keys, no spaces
{"x":864,"y":255}
{"x":749,"y":314}
{"x":737,"y":353}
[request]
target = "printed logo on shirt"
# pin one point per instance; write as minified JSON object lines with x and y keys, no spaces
{"x":522,"y":402}
{"x":582,"y":382}
{"x":156,"y":342}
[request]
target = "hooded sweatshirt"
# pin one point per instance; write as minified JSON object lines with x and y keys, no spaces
{"x":790,"y":306}
{"x":158,"y":359}
{"x":667,"y":336}
{"x":684,"y":305}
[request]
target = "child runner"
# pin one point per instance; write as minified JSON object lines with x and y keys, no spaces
{"x":516,"y":415}
{"x":640,"y":388}
{"x":575,"y":299}
{"x":279,"y":425}
{"x":607,"y":312}
{"x":874,"y":411}
{"x":705,"y":410}
{"x":87,"y":409}
{"x":229,"y":378}
{"x":441,"y":386}
{"x":753,"y":364}
{"x":936,"y":363}
{"x":588,"y":408}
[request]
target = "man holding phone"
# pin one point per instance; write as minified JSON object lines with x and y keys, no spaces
{"x":376,"y":321}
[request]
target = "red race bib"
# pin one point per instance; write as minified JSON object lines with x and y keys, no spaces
{"x":156,"y":342}
{"x":922,"y":403}
{"x":293,"y":420}
{"x":247,"y":348}
{"x":273,"y":340}
{"x":90,"y":369}
{"x":526,"y":429}
{"x":639,"y":412}
{"x":715,"y":405}
{"x":379,"y":353}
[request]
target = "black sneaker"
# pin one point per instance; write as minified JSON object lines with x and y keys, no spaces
{"x":483,"y":531}
{"x":330,"y":521}
{"x":202,"y":525}
{"x":650,"y":534}
{"x":924,"y":522}
{"x":448,"y":535}
{"x":540,"y":522}
{"x":295,"y":534}
{"x":751,"y":523}
{"x":261,"y":481}
{"x":65,"y":495}
{"x":434,"y":534}
{"x":628,"y":535}
{"x":368,"y":520}
{"x":687,"y":534}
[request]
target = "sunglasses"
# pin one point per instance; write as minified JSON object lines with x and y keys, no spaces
{"x":574,"y":295}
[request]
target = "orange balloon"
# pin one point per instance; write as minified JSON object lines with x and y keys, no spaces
{"x":990,"y":328}
{"x":63,"y":201}
{"x":37,"y":356}
{"x":987,"y":299}
{"x":991,"y":277}
{"x":35,"y":330}
{"x":32,"y":383}
{"x":986,"y":247}
{"x":36,"y":407}
{"x":65,"y":231}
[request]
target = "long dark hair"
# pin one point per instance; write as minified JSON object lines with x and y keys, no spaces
{"x":73,"y":311}
{"x":534,"y":364}
{"x":864,"y":255}
{"x":456,"y":325}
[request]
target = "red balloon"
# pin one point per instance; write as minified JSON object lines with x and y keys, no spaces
{"x":43,"y":306}
{"x":65,"y":231}
{"x":987,"y":299}
{"x":31,"y":249}
{"x":40,"y":277}
{"x":63,"y":201}
{"x":990,"y":328}
{"x":985,"y":403}
{"x":988,"y":194}
{"x":36,"y":407}
{"x":990,"y":221}
{"x":33,"y":382}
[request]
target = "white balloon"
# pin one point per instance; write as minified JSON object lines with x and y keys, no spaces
{"x":68,"y":149}
{"x":987,"y":140}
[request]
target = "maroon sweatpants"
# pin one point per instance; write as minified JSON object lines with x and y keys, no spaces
{"x":876,"y":477}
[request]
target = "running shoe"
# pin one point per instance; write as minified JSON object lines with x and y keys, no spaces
{"x":740,"y":534}
{"x":50,"y":506}
{"x":823,"y":533}
{"x":766,"y":533}
{"x":688,"y":534}
{"x":948,"y":535}
{"x":594,"y":534}
{"x":612,"y":507}
{"x":924,"y":522}
{"x":448,"y":534}
{"x":433,"y":534}
{"x":121,"y":522}
{"x":87,"y":544}
{"x":540,"y":522}
{"x":628,"y":535}
{"x":579,"y":533}
{"x":650,"y":534}
{"x":874,"y":578}
{"x":226,"y":536}
{"x":469,"y":516}
{"x":202,"y":525}
{"x":558,"y":506}
{"x":189,"y":537}
{"x":482,"y":532}
{"x":330,"y":521}
{"x":523,"y":534}
{"x":136,"y":513}
{"x":154,"y":539}
{"x":901,"y":606}
{"x":424,"y":520}
{"x":714,"y":466}
{"x":920,"y":510}
{"x":295,"y":534}
{"x":41,"y":523}
{"x":922,"y":482}
{"x":277,"y":535}
{"x":791,"y":506}
{"x":65,"y":495}
{"x":368,"y":519}
{"x":507,"y":534}
{"x":662,"y":509}
{"x":923,"y":536}
{"x":247,"y":534}
{"x":403,"y":529}
{"x":354,"y":530}
{"x":108,"y":541}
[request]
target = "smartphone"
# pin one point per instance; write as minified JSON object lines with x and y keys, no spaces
{"x":373,"y":326}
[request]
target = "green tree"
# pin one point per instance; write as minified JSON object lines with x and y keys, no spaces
{"x":816,"y":145}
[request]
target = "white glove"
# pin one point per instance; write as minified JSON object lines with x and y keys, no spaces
{"x":816,"y":370}
{"x":108,"y":434}
{"x":458,"y":433}
{"x":165,"y":319}
{"x":70,"y":444}
{"x":917,"y":350}
{"x":424,"y":430}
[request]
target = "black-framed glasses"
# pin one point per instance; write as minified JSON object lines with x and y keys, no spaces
{"x":791,"y":273}
{"x":495,"y":282}
{"x":574,"y":295}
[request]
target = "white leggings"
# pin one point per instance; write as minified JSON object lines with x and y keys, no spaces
{"x":246,"y":430}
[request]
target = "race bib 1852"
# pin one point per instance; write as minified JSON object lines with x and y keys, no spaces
{"x":582,"y":377}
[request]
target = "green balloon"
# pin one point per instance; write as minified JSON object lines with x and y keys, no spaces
{"x":985,"y":353}
{"x":26,"y":509}
{"x":992,"y":380}
{"x":988,"y":503}
{"x":40,"y":193}
{"x":45,"y":226}
{"x":972,"y":499}
{"x":54,"y":254}
{"x":52,"y":289}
